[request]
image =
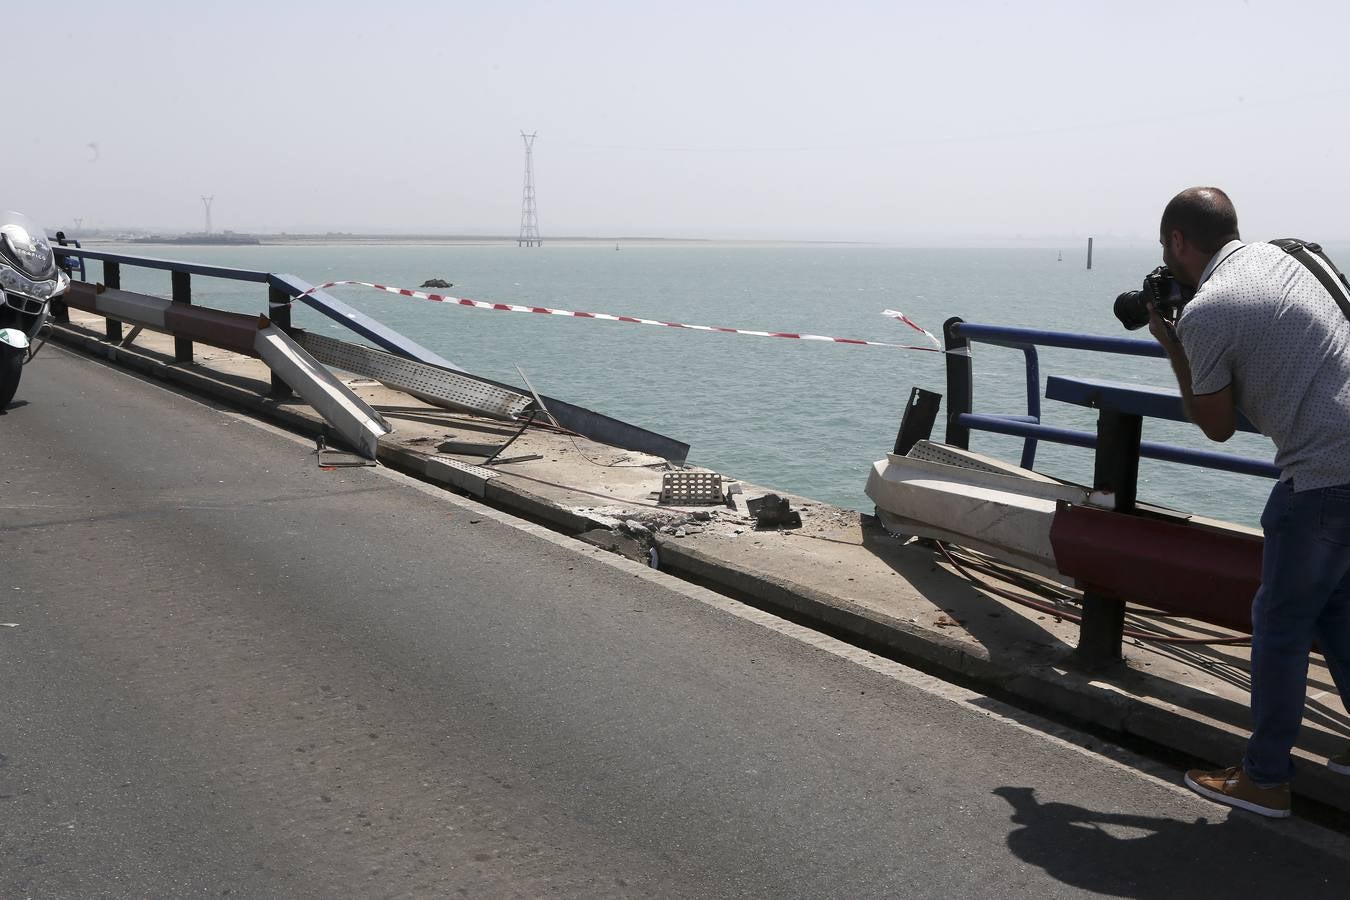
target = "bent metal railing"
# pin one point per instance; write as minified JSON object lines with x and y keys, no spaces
{"x":961,"y":419}
{"x":1179,"y":581}
{"x":281,"y":290}
{"x":284,"y":289}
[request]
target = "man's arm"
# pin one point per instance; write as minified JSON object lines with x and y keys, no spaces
{"x":1215,"y":413}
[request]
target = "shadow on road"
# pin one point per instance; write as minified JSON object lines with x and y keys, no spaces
{"x":1123,"y":855}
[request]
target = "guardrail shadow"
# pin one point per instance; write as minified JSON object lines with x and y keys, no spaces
{"x":986,"y":619}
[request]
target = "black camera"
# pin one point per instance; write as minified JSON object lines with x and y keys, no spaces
{"x":1162,"y":289}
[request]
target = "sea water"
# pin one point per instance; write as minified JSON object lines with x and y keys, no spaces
{"x":804,"y":417}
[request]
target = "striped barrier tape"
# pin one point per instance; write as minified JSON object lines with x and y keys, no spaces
{"x":635,"y":320}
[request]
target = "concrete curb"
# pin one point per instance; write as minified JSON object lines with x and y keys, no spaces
{"x":834,"y":612}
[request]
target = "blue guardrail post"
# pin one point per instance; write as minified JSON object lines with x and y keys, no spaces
{"x":960,"y":382}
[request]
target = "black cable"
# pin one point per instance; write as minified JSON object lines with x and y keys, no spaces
{"x":1074,"y":617}
{"x":528,"y":419}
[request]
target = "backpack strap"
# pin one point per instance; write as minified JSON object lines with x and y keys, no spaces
{"x":1338,"y":287}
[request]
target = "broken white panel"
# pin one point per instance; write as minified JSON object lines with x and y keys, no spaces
{"x":1003,"y":515}
{"x":353,"y":418}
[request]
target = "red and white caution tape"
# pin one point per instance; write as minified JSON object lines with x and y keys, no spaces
{"x":897,"y":314}
{"x":511,"y":307}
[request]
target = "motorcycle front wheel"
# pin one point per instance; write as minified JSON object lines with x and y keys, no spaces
{"x":11,"y":367}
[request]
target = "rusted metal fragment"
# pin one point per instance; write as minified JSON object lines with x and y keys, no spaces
{"x":1202,"y":572}
{"x":227,"y":330}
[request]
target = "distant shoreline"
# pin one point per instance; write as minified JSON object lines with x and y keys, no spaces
{"x":980,"y":242}
{"x":432,"y":239}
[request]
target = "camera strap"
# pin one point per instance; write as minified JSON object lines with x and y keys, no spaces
{"x":1303,"y":252}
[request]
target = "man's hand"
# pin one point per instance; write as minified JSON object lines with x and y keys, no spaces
{"x":1215,"y":413}
{"x":1163,"y":331}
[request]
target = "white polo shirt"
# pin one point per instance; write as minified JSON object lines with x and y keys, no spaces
{"x":1264,"y":324}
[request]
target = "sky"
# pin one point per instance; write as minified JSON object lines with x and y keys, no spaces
{"x":903,"y":122}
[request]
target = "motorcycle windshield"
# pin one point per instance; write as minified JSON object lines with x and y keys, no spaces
{"x":24,"y":245}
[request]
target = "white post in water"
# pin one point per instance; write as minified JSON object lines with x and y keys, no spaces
{"x":1089,"y":253}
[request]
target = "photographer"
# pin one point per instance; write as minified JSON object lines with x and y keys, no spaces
{"x":1264,"y":335}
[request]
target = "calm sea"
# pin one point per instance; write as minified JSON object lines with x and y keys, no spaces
{"x":805,"y":417}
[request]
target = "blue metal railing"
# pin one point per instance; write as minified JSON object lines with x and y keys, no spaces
{"x":1030,"y":338}
{"x":73,"y":263}
{"x":282,"y":289}
{"x":961,"y":419}
{"x":170,"y":265}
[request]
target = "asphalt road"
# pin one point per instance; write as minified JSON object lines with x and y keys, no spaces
{"x":224,"y":671}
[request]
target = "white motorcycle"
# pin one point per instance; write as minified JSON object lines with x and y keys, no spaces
{"x":29,"y":279}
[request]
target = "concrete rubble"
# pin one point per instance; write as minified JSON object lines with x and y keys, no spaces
{"x":840,"y":571}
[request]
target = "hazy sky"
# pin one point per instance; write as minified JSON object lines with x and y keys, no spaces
{"x":900,"y":121}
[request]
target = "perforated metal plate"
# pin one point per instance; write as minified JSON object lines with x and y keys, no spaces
{"x":691,"y":488}
{"x":465,"y":476}
{"x":430,"y":383}
{"x":947,"y":455}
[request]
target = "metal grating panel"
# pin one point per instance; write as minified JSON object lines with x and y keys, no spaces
{"x":947,"y":455}
{"x":691,"y":488}
{"x":353,"y":319}
{"x":427,"y":382}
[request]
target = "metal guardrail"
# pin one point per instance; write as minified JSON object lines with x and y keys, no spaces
{"x":73,"y":263}
{"x":171,"y":265}
{"x":282,"y":290}
{"x":1116,"y":444}
{"x":961,"y":419}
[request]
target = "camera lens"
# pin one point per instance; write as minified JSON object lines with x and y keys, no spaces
{"x":1131,"y":308}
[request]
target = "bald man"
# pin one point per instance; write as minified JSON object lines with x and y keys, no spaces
{"x":1264,"y":335}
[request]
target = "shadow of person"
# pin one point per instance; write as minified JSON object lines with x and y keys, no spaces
{"x":1128,"y":855}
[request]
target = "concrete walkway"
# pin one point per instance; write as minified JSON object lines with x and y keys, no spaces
{"x":838,"y":571}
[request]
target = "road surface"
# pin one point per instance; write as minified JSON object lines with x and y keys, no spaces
{"x":226,"y":672}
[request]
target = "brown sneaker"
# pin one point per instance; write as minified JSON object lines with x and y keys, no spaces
{"x":1340,"y":763}
{"x":1232,"y":786}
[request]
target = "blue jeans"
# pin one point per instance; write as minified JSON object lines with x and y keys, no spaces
{"x":1304,"y":596}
